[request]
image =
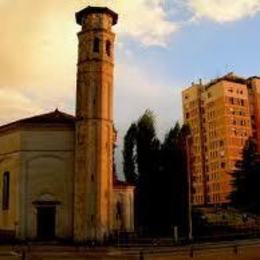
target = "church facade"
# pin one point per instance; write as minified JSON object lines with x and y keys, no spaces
{"x":56,"y":170}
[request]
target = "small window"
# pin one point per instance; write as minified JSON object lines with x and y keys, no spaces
{"x":6,"y":190}
{"x":108,"y":48}
{"x":96,"y":45}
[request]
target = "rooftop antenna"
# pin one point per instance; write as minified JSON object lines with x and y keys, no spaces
{"x":227,"y":69}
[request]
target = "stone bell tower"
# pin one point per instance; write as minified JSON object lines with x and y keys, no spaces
{"x":94,"y":124}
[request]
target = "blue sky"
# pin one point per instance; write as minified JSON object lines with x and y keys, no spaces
{"x":162,"y":46}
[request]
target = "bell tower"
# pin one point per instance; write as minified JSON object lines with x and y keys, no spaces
{"x":94,"y":124}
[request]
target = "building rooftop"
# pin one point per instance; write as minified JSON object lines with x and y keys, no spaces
{"x":54,"y":117}
{"x":92,"y":10}
{"x":228,"y":77}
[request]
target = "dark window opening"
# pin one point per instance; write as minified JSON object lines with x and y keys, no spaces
{"x":108,"y":48}
{"x":6,"y":190}
{"x":96,"y":45}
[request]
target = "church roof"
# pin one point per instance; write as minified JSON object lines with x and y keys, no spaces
{"x":54,"y":117}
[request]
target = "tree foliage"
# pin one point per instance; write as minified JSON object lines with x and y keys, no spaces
{"x":160,"y":173}
{"x":147,"y":158}
{"x":246,"y":179}
{"x":129,"y":155}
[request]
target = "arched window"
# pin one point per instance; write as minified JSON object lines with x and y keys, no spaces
{"x":96,"y":45}
{"x":6,"y":190}
{"x":108,"y":48}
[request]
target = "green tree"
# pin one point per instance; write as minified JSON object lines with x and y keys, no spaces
{"x":147,"y":158}
{"x":246,"y":179}
{"x":160,"y":174}
{"x":129,"y":163}
{"x":169,"y":176}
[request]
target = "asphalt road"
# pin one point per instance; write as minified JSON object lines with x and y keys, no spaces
{"x":243,"y":250}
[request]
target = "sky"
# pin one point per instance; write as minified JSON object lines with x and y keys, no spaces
{"x":161,"y":47}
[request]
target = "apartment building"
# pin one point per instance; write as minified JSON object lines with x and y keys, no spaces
{"x":222,"y":115}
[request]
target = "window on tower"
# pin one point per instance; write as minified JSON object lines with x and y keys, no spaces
{"x":96,"y":45}
{"x":108,"y":48}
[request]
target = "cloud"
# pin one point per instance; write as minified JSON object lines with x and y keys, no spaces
{"x":137,"y":90}
{"x":16,"y":105}
{"x":143,"y":20}
{"x":222,"y":11}
{"x":38,"y":48}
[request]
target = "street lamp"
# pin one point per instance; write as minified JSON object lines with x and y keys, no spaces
{"x":188,"y":140}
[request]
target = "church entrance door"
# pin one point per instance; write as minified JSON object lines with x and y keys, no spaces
{"x":46,"y":222}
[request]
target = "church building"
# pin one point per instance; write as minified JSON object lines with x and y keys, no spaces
{"x":56,"y":170}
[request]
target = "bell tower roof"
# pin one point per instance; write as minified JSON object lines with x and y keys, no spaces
{"x":92,"y":10}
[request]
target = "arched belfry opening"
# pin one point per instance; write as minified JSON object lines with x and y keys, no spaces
{"x":96,"y":45}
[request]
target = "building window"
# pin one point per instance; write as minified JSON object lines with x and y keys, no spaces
{"x":6,"y":190}
{"x":108,"y":48}
{"x":96,"y":45}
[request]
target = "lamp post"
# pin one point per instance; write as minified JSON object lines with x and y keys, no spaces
{"x":188,"y":140}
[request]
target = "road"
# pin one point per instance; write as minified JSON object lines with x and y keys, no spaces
{"x":243,"y":250}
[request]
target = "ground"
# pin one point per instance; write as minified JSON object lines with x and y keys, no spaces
{"x":244,"y":250}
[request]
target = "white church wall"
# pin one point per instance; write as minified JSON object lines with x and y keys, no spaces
{"x":48,"y":166}
{"x":9,"y":162}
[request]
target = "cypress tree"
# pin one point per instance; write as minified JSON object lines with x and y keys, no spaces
{"x":129,"y":163}
{"x":147,"y":147}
